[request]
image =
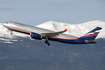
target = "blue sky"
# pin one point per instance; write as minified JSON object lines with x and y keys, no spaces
{"x":34,"y":12}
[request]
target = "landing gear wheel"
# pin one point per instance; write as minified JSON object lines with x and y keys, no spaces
{"x":47,"y":43}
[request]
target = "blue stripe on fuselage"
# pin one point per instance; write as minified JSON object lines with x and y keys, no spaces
{"x":70,"y":41}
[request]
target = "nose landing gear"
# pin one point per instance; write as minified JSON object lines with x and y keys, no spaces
{"x":11,"y":32}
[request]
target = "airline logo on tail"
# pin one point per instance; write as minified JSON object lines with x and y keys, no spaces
{"x":92,"y":34}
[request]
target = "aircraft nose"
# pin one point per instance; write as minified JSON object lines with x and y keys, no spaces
{"x":5,"y":24}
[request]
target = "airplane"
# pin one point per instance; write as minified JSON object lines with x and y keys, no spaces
{"x":40,"y":34}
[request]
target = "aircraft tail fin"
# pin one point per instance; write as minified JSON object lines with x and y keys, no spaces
{"x":92,"y":34}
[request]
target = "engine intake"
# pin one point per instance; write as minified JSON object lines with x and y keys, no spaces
{"x":35,"y":36}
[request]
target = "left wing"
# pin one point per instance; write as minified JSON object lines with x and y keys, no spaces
{"x":54,"y":34}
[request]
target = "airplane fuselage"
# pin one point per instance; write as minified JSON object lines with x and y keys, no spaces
{"x":27,"y":29}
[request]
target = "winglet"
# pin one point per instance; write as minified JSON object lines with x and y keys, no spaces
{"x":65,"y":30}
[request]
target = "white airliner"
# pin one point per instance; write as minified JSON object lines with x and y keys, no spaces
{"x":39,"y":34}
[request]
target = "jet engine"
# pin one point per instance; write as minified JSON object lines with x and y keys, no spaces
{"x":35,"y":36}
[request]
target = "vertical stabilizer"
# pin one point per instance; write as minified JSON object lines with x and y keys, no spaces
{"x":92,"y":34}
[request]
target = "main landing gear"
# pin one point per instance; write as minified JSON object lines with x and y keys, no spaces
{"x":46,"y":41}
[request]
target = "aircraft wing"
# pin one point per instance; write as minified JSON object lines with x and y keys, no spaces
{"x":53,"y":34}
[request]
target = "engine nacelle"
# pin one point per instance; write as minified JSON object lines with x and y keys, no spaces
{"x":35,"y":36}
